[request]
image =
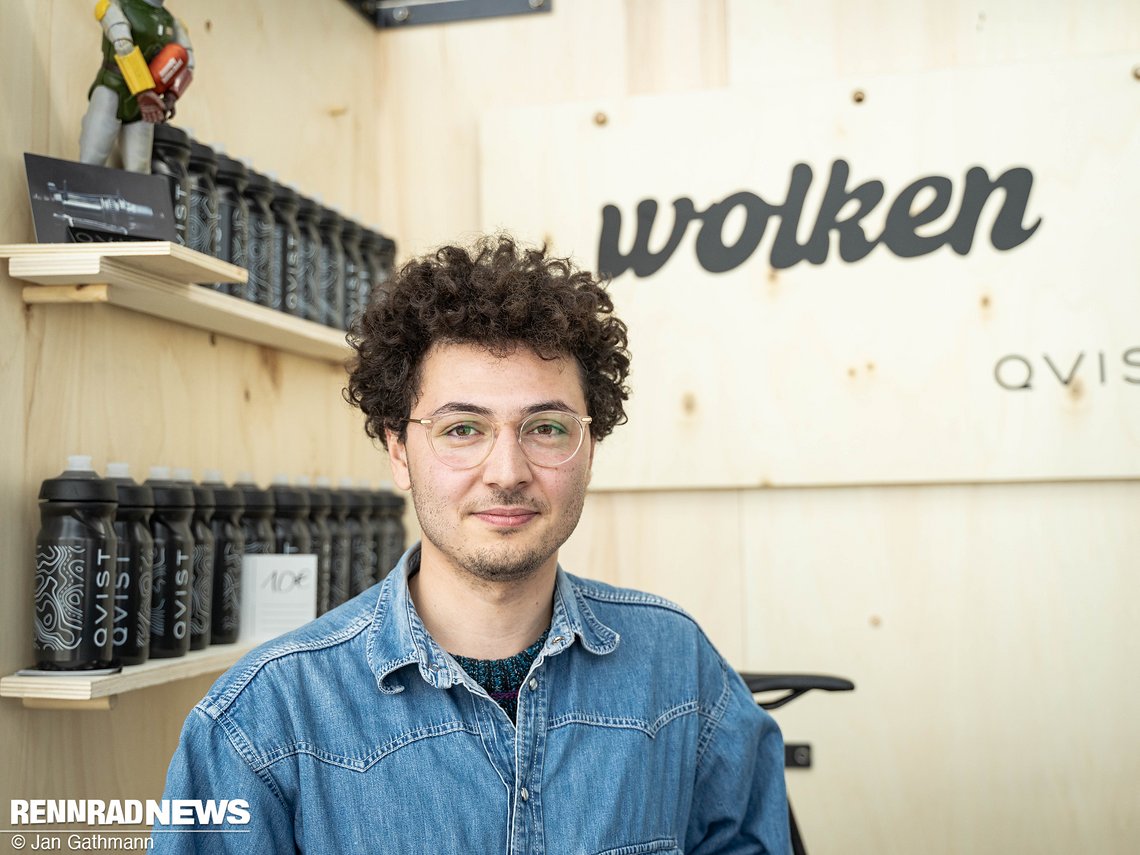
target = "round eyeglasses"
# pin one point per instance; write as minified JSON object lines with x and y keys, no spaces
{"x":464,"y":440}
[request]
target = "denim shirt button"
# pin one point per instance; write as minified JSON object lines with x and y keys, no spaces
{"x":524,"y":794}
{"x":556,"y":640}
{"x":533,"y":684}
{"x":433,"y":667}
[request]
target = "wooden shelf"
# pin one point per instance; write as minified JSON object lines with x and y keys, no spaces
{"x":159,"y":278}
{"x":79,"y":692}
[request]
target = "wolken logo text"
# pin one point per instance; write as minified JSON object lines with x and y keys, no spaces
{"x":899,"y":235}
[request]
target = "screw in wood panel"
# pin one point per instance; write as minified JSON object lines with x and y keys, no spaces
{"x":209,"y":25}
{"x":537,"y":4}
{"x":858,"y":96}
{"x":876,"y":621}
{"x":1136,"y":71}
{"x":401,"y":15}
{"x":797,"y":755}
{"x":601,"y":118}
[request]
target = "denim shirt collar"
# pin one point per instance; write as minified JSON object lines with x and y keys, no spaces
{"x":398,"y":638}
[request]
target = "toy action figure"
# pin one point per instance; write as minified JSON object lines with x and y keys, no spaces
{"x":147,"y":64}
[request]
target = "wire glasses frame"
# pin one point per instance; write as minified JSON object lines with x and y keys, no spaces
{"x":464,"y":440}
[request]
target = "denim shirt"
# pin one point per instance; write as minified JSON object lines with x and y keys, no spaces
{"x":358,"y":733}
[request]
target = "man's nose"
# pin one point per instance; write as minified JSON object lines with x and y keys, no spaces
{"x":506,"y":467}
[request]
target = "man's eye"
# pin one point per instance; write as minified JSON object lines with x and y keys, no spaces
{"x":462,"y":431}
{"x":548,"y":429}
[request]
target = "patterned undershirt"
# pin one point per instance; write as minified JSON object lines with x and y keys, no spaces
{"x":502,"y":678}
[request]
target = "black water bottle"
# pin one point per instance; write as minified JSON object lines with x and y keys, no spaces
{"x":205,"y":226}
{"x":286,"y":292}
{"x":388,"y":522}
{"x":202,"y":586}
{"x":233,"y":218}
{"x":291,"y":518}
{"x":379,"y":255}
{"x":256,"y":516}
{"x":170,"y":158}
{"x":320,"y":506}
{"x":262,"y":261}
{"x":341,"y":554}
{"x":362,"y":543}
{"x":75,"y":570}
{"x":173,"y":567}
{"x":229,"y":546}
{"x":308,"y":225}
{"x":135,"y":557}
{"x":330,"y":270}
{"x":354,"y":272}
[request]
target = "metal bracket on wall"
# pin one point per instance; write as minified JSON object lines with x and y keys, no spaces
{"x":386,"y":14}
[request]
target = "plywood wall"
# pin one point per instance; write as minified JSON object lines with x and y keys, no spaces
{"x":271,"y":85}
{"x":988,"y":627}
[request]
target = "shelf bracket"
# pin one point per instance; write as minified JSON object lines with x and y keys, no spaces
{"x":106,"y":702}
{"x":94,"y":293}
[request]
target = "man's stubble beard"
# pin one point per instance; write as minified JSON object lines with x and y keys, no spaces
{"x":492,"y":564}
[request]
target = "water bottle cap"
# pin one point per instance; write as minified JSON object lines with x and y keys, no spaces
{"x":79,"y":463}
{"x":345,"y":483}
{"x":78,"y":483}
{"x":244,"y":478}
{"x":281,"y":479}
{"x":364,"y":484}
{"x":183,"y":473}
{"x":159,"y":473}
{"x":118,"y":470}
{"x":302,"y":481}
{"x":387,"y":485}
{"x":212,"y":476}
{"x":323,"y":481}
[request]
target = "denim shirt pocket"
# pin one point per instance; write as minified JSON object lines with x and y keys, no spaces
{"x":665,"y":845}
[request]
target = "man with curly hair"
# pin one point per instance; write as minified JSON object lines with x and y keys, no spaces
{"x":481,"y":698}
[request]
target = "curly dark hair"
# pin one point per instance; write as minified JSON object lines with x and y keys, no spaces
{"x":498,"y":295}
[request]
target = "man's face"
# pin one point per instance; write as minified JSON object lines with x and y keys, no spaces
{"x":504,"y":519}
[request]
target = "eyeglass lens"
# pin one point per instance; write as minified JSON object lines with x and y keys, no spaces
{"x":463,"y":440}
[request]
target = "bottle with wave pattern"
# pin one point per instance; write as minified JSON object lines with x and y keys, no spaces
{"x":173,"y":569}
{"x":361,"y":537}
{"x":256,"y":517}
{"x":229,"y":546}
{"x":75,"y":570}
{"x":202,"y":584}
{"x":341,"y":557}
{"x":320,"y":504}
{"x":134,"y":561}
{"x":388,"y":528}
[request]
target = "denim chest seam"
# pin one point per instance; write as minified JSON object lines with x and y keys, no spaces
{"x":241,"y":744}
{"x":714,"y":718}
{"x":241,"y":683}
{"x":650,"y":729}
{"x":367,"y":761}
